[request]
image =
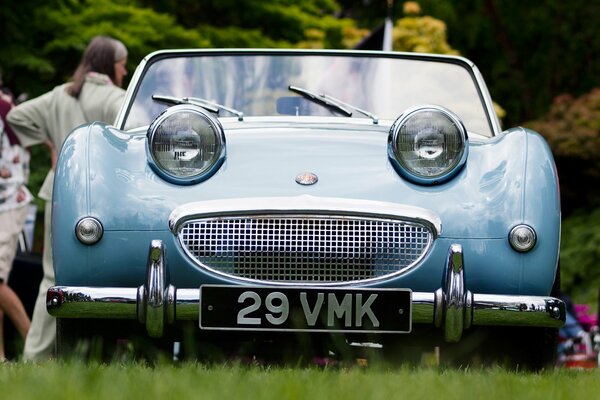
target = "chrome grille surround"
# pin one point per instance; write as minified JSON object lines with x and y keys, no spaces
{"x":304,"y":248}
{"x":296,"y":242}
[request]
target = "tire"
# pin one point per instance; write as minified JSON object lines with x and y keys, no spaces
{"x":530,"y":349}
{"x":82,"y":339}
{"x":108,"y":340}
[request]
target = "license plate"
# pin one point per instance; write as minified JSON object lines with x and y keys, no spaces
{"x":263,"y":308}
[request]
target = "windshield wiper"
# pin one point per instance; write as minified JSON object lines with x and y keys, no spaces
{"x":333,"y":103}
{"x":206,"y":104}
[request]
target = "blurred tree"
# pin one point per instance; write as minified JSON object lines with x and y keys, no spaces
{"x":22,"y":59}
{"x":580,"y":252}
{"x":421,"y":34}
{"x":572,"y":129}
{"x":256,"y":23}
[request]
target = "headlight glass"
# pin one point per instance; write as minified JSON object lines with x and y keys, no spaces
{"x":428,"y":144}
{"x":186,"y":143}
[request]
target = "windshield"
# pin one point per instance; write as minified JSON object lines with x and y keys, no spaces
{"x":258,"y":85}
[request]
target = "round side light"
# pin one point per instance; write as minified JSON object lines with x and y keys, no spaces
{"x":89,"y":230}
{"x":522,"y":238}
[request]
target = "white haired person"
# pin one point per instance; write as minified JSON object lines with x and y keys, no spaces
{"x":94,"y":94}
{"x":14,"y":201}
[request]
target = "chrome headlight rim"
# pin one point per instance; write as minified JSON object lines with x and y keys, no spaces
{"x":522,"y":238}
{"x":89,"y":230}
{"x":408,"y":173}
{"x":206,"y":173}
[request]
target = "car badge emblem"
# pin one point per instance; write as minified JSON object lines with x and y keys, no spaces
{"x":306,"y":178}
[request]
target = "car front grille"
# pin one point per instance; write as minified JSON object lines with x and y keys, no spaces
{"x":305,"y":248}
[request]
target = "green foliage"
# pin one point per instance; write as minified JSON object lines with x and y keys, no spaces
{"x":580,"y":256}
{"x":21,"y":59}
{"x":142,"y":29}
{"x":421,"y":34}
{"x":237,"y":37}
{"x":572,"y":129}
{"x":275,"y":23}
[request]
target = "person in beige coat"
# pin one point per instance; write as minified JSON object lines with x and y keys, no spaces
{"x":94,"y":94}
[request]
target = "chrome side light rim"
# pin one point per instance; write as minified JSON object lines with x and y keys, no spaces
{"x":522,"y":238}
{"x":213,"y":164}
{"x":89,"y":230}
{"x":397,"y":155}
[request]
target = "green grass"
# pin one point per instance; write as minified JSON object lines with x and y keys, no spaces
{"x":73,"y":380}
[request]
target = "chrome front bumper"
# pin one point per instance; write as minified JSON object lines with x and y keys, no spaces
{"x":452,"y":308}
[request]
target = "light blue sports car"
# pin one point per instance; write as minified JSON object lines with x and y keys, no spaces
{"x":323,"y":202}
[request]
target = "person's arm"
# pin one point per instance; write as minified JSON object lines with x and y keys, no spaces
{"x":29,"y":120}
{"x":53,"y":153}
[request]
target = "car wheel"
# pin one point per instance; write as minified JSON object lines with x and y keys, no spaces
{"x":107,"y":340}
{"x":82,"y":339}
{"x":531,"y":349}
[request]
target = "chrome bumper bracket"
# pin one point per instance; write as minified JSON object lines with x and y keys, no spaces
{"x":156,"y":299}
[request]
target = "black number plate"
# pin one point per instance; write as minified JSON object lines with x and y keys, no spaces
{"x":305,"y":309}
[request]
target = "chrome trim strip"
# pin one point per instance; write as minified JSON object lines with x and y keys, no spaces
{"x":92,"y":302}
{"x":494,"y":309}
{"x":304,"y":204}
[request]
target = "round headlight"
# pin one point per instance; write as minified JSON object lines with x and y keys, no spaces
{"x":186,"y":144}
{"x":428,"y":144}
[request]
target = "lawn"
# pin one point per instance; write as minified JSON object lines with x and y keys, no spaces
{"x":74,"y":380}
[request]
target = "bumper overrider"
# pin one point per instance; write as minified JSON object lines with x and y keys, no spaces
{"x":452,"y":308}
